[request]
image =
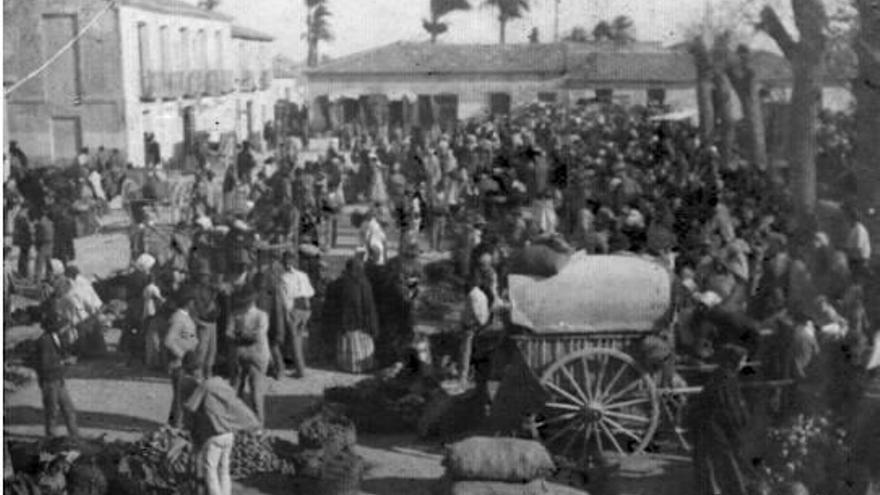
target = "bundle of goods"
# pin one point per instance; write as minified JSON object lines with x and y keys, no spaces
{"x":500,"y":466}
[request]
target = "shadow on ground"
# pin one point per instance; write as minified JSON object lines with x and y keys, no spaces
{"x":287,"y":411}
{"x":27,"y":415}
{"x":397,"y":486}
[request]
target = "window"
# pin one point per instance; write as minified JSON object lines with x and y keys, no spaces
{"x":144,"y":59}
{"x":203,"y":50}
{"x":164,"y":49}
{"x":447,"y":110}
{"x":499,"y":103}
{"x":218,"y":50}
{"x":656,"y":96}
{"x":547,"y":97}
{"x":184,"y":49}
{"x":604,"y":95}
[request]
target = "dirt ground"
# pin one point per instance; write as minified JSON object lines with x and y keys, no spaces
{"x":121,"y":402}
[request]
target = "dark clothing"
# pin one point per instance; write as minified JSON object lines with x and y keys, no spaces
{"x":717,"y":418}
{"x":358,"y":308}
{"x":245,"y":164}
{"x":48,"y":359}
{"x":44,"y":232}
{"x":65,"y":233}
{"x":55,"y":397}
{"x":48,"y":363}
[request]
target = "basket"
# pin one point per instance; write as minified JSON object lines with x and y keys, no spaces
{"x":341,"y":475}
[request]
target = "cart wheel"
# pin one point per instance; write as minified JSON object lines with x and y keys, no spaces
{"x":601,"y":399}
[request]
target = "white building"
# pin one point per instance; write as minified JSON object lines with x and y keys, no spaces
{"x":164,"y":67}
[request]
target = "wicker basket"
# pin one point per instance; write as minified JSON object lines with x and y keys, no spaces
{"x":341,"y":475}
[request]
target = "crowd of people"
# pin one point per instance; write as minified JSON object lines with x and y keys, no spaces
{"x":754,"y":278}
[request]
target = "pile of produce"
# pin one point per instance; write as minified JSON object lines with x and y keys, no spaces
{"x":257,"y":453}
{"x":326,"y":461}
{"x":809,"y":450}
{"x":16,"y":377}
{"x":379,"y":405}
{"x":327,"y":427}
{"x":162,"y":462}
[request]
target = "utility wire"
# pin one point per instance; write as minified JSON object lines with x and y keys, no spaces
{"x":57,"y":55}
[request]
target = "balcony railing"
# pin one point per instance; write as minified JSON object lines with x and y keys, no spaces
{"x":159,"y":85}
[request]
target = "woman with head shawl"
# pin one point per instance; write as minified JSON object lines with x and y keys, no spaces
{"x":359,"y":320}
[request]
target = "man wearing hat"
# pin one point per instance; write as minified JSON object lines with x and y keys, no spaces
{"x":248,"y":330}
{"x":180,"y":341}
{"x":49,"y":360}
{"x":294,"y":292}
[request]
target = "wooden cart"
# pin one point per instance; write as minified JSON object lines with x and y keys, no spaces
{"x":578,"y":332}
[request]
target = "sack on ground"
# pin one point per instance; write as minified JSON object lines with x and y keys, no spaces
{"x":498,"y":459}
{"x":536,"y":487}
{"x":538,"y":261}
{"x":355,"y":351}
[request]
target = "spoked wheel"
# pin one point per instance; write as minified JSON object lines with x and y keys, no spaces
{"x":601,"y":400}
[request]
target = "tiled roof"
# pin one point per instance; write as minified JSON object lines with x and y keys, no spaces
{"x":247,"y":33}
{"x":176,"y":7}
{"x":671,"y":66}
{"x":583,"y":63}
{"x":427,"y":58}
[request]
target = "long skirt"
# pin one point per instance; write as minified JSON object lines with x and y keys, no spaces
{"x":355,"y":352}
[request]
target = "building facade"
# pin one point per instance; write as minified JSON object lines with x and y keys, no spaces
{"x":146,"y":67}
{"x":447,"y":82}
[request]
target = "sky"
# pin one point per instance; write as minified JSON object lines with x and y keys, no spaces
{"x":362,"y":24}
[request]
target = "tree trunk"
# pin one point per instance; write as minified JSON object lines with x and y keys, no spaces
{"x":502,"y":29}
{"x":804,"y":114}
{"x":704,"y":89}
{"x":866,"y":89}
{"x":724,"y":110}
{"x":742,"y":77}
{"x":806,"y":57}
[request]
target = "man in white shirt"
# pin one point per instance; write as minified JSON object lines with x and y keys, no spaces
{"x":295,"y":292}
{"x":858,"y":242}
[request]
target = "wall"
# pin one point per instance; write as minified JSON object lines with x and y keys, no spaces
{"x":473,"y":90}
{"x":165,"y":118}
{"x":81,"y":90}
{"x":254,"y":59}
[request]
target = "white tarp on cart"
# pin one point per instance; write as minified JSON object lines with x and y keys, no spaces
{"x":594,"y":294}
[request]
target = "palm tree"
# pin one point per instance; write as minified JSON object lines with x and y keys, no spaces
{"x":577,"y":34}
{"x":507,"y":10}
{"x":623,"y":29}
{"x":620,"y":30}
{"x":439,"y":8}
{"x":209,"y":4}
{"x":317,"y":28}
{"x":603,"y":31}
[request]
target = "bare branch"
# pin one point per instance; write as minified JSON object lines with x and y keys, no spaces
{"x":774,"y":28}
